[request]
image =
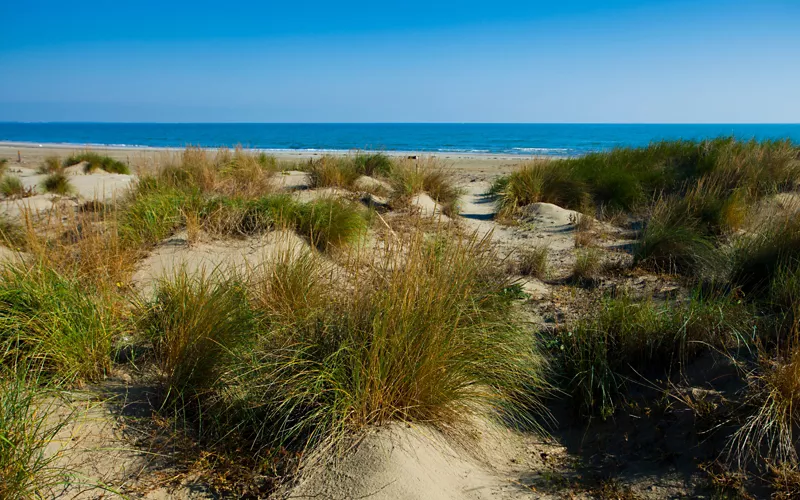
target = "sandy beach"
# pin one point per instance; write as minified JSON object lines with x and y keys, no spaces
{"x":142,"y":157}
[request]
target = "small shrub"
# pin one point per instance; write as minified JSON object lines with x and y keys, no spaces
{"x":96,"y":161}
{"x":11,"y":186}
{"x":192,"y":324}
{"x":533,"y":261}
{"x":57,"y":183}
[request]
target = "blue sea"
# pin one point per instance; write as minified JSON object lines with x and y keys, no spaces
{"x":506,"y":139}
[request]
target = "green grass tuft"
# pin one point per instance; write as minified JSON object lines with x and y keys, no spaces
{"x":96,"y":161}
{"x":11,"y":186}
{"x":192,"y":324}
{"x":52,"y":319}
{"x":57,"y":183}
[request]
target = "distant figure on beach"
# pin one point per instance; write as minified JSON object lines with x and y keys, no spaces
{"x":19,"y":157}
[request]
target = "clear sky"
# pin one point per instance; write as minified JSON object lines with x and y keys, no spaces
{"x":651,"y":61}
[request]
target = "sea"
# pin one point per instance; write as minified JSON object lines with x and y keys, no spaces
{"x":539,"y":139}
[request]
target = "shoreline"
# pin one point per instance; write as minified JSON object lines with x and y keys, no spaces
{"x":281,"y":151}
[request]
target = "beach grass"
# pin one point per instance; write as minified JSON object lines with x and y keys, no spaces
{"x":57,"y":183}
{"x":11,"y":186}
{"x":95,"y":161}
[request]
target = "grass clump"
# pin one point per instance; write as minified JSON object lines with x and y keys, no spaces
{"x":29,"y":421}
{"x":96,"y":161}
{"x":623,"y":338}
{"x":413,"y":177}
{"x":334,"y":171}
{"x":373,"y":164}
{"x":534,"y":261}
{"x":152,"y":216}
{"x":771,"y":429}
{"x":50,"y":318}
{"x":52,"y":164}
{"x":429,"y":340}
{"x":57,"y":183}
{"x":675,"y":242}
{"x":11,"y":186}
{"x":588,"y":264}
{"x":330,"y":222}
{"x":192,"y":324}
{"x":540,"y":181}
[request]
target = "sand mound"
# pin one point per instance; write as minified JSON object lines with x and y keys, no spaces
{"x":78,"y":169}
{"x":428,"y":207}
{"x":225,"y":256}
{"x":367,"y":183}
{"x":549,"y":216}
{"x":316,"y":194}
{"x":291,"y":180}
{"x":398,"y":461}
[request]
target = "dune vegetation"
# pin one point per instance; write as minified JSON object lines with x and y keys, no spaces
{"x":373,"y":318}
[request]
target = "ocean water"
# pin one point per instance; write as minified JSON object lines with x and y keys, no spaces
{"x":512,"y":139}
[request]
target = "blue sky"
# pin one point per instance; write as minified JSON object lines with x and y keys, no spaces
{"x":618,"y":61}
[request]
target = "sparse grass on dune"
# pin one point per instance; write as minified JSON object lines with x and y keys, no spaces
{"x":431,"y":340}
{"x":622,"y":338}
{"x":11,"y":232}
{"x":95,"y":161}
{"x":533,"y":261}
{"x":333,"y":171}
{"x":51,"y":164}
{"x":411,"y":177}
{"x":3,"y":165}
{"x":29,"y":421}
{"x":57,"y":183}
{"x":52,"y":319}
{"x":588,"y":264}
